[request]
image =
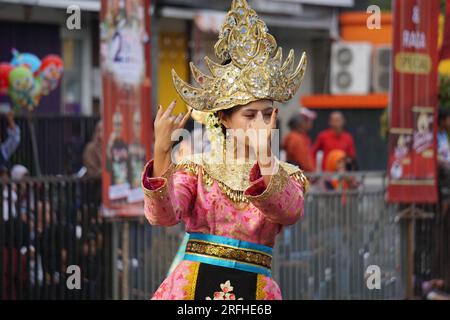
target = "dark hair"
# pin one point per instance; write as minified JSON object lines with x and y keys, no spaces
{"x":227,"y":113}
{"x":443,"y":114}
{"x":295,"y":122}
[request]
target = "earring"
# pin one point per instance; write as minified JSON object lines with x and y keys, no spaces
{"x":227,"y":134}
{"x":215,"y":135}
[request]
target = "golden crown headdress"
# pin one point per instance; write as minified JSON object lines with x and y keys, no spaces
{"x":254,"y":72}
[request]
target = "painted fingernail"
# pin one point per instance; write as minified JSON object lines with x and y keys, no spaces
{"x":276,"y":110}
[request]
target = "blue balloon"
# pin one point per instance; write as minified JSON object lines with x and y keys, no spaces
{"x":26,"y":59}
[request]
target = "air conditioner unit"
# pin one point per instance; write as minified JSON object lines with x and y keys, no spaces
{"x":350,"y":67}
{"x":381,"y":69}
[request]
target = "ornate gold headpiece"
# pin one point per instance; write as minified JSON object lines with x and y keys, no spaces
{"x":254,"y":72}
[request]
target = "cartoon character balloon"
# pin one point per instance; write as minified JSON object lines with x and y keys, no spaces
{"x":21,"y":84}
{"x":5,"y":70}
{"x":35,"y":94}
{"x":27,"y":78}
{"x":26,"y":59}
{"x":50,"y":73}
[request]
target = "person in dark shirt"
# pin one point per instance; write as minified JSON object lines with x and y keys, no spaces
{"x":92,"y":155}
{"x":12,"y":141}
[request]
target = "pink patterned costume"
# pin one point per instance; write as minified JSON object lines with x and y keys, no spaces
{"x":210,"y":203}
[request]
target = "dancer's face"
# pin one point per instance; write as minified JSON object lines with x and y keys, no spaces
{"x":240,"y":117}
{"x":255,"y":115}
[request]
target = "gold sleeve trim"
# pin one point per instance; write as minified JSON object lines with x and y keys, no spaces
{"x":297,"y":174}
{"x":302,"y":179}
{"x":162,"y":191}
{"x":159,"y":193}
{"x":277,"y":184}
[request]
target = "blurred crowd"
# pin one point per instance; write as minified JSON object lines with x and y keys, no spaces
{"x":9,"y":145}
{"x":443,"y":141}
{"x":333,"y":151}
{"x":332,"y":155}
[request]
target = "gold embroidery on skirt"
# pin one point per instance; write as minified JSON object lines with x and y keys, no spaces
{"x":192,"y":281}
{"x":260,"y":284}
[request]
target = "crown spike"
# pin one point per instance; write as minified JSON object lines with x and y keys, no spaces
{"x":294,"y":81}
{"x":278,"y":58}
{"x":202,"y":79}
{"x":216,"y":69}
{"x":301,"y":67}
{"x":255,"y":71}
{"x":189,"y":93}
{"x":287,"y":65}
{"x":239,"y":4}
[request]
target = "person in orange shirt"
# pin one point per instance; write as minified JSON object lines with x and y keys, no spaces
{"x":335,"y":138}
{"x":297,"y":143}
{"x":336,"y":163}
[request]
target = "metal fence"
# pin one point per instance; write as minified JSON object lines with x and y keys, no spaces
{"x":69,"y":135}
{"x":142,"y":255}
{"x":324,"y":256}
{"x":431,"y":237}
{"x":327,"y":254}
{"x":48,"y":224}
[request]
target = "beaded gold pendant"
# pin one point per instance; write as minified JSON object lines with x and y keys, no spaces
{"x":233,"y":178}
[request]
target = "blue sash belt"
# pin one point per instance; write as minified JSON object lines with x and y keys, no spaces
{"x":229,"y":253}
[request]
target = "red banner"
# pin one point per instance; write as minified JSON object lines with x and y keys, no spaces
{"x":125,"y":65}
{"x":445,"y":49}
{"x":413,"y":115}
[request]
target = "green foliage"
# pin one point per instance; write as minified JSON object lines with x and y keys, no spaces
{"x":444,"y":91}
{"x":385,"y":5}
{"x":384,"y":124}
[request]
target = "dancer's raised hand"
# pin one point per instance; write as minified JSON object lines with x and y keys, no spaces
{"x":165,"y":125}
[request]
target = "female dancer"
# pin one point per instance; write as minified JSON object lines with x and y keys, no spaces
{"x":233,"y":203}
